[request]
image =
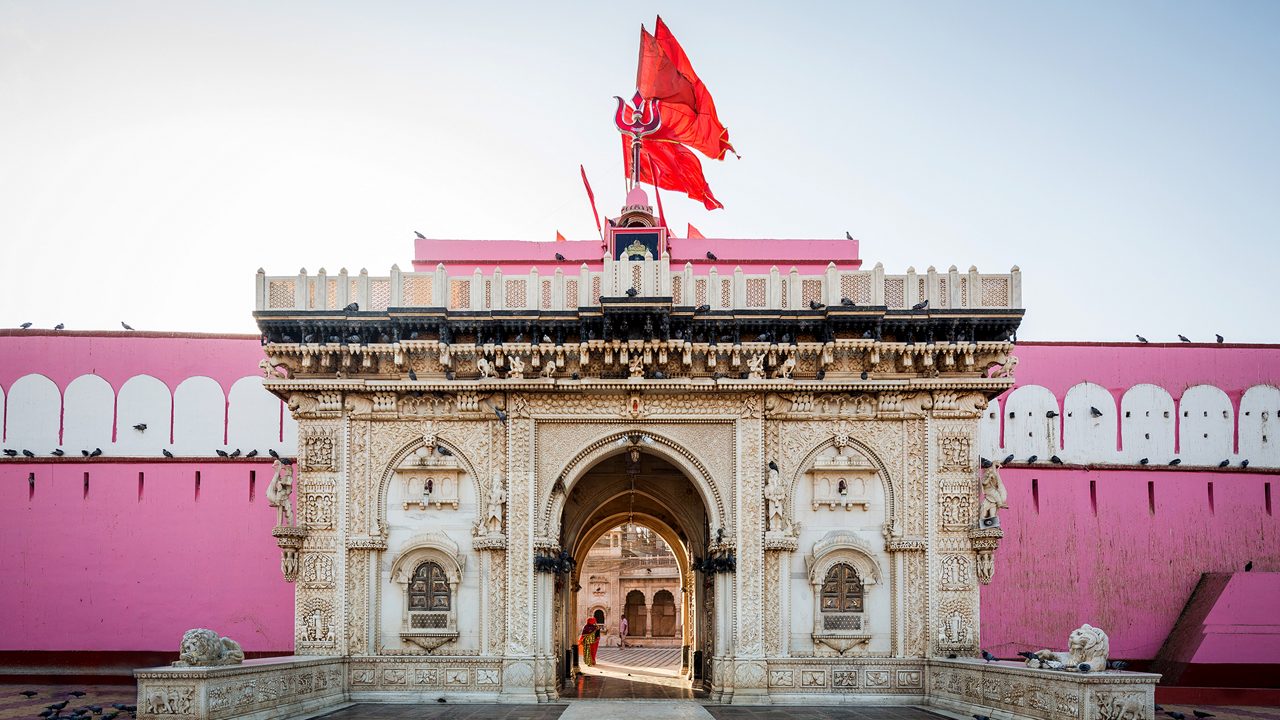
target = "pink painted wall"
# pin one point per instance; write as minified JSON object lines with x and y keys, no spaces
{"x":1125,"y":568}
{"x":1244,"y":625}
{"x":115,"y":570}
{"x":518,"y":256}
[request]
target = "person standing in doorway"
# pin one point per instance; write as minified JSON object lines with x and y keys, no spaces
{"x":588,"y":641}
{"x":623,"y":627}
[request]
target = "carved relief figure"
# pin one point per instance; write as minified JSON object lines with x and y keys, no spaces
{"x":636,"y":367}
{"x":548,"y":369}
{"x":775,"y":496}
{"x":755,"y":367}
{"x":516,"y":369}
{"x":994,"y":495}
{"x":484,"y":366}
{"x":1006,"y":367}
{"x":1087,"y":650}
{"x":203,"y":648}
{"x":787,"y":367}
{"x":280,"y":492}
{"x":269,"y":370}
{"x":497,"y":498}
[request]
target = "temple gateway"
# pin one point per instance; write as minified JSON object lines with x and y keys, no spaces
{"x":799,"y":430}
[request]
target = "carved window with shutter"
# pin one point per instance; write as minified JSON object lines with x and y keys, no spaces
{"x":429,"y":589}
{"x":842,"y":590}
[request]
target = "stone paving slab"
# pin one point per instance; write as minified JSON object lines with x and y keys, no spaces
{"x":635,"y":710}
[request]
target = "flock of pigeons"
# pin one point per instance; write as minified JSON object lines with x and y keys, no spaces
{"x":59,"y":711}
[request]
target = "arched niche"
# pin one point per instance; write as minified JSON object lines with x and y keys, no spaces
{"x":199,"y":417}
{"x":1028,"y":429}
{"x":89,"y":405}
{"x":427,"y":627}
{"x":1088,"y":438}
{"x":616,"y":443}
{"x":844,"y":629}
{"x":1146,"y":424}
{"x":1206,"y":427}
{"x":814,"y":490}
{"x":33,"y":411}
{"x":253,"y":416}
{"x":1260,"y":426}
{"x":143,"y":400}
{"x":398,"y":511}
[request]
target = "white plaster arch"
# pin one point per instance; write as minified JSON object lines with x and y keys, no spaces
{"x":1260,"y":426}
{"x":34,"y":410}
{"x":1146,"y":424}
{"x":253,"y":416}
{"x":806,"y":465}
{"x":1206,"y":426}
{"x":432,"y":545}
{"x":989,"y":440}
{"x":199,"y":416}
{"x":839,"y":546}
{"x":1028,"y":430}
{"x":88,"y":407}
{"x":145,"y":400}
{"x":479,"y":488}
{"x":615,"y":443}
{"x":1089,"y":439}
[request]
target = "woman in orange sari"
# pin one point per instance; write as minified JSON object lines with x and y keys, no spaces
{"x":588,"y":642}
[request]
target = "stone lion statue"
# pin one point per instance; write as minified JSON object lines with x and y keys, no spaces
{"x":1087,"y":650}
{"x":203,"y":648}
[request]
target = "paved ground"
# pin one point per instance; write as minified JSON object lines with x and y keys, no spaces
{"x":15,"y":705}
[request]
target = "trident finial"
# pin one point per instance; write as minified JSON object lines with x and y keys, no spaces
{"x":645,"y":119}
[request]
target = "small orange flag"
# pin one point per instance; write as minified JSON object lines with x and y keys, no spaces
{"x":694,"y":233}
{"x":559,"y":237}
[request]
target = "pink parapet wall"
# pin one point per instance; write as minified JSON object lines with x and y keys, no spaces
{"x":132,"y":564}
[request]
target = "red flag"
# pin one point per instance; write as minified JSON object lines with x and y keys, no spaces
{"x":677,"y":167}
{"x":694,"y":234}
{"x":559,"y":237}
{"x":657,"y":174}
{"x":592,"y":197}
{"x":688,"y":112}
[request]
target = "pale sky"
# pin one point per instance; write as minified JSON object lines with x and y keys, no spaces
{"x":1125,"y":155}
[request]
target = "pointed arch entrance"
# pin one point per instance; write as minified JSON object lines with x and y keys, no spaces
{"x":638,"y":485}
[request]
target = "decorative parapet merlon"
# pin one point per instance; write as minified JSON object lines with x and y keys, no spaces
{"x":570,"y":288}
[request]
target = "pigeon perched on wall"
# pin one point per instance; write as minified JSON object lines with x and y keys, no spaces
{"x":1007,"y":460}
{"x":702,"y":308}
{"x":560,"y":257}
{"x":221,"y":453}
{"x":57,"y":452}
{"x":251,"y":453}
{"x":413,"y":375}
{"x":1144,"y":461}
{"x":920,"y":305}
{"x":502,"y":417}
{"x":28,"y":453}
{"x":1184,"y":338}
{"x":1051,"y":414}
{"x":353,"y":307}
{"x":1095,"y":411}
{"x":1141,"y":339}
{"x":815,"y":305}
{"x":1175,"y":462}
{"x":273,"y":453}
{"x":1055,"y":459}
{"x":847,"y":302}
{"x":1248,"y":566}
{"x":1033,"y":458}
{"x":59,"y":326}
{"x":632,"y":292}
{"x":25,"y":325}
{"x":711,"y":256}
{"x":165,"y":452}
{"x":235,"y":453}
{"x":419,"y":235}
{"x":988,"y":656}
{"x":125,"y":325}
{"x":140,"y":427}
{"x":96,"y":452}
{"x":1220,"y":340}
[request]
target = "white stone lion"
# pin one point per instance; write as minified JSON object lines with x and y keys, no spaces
{"x":203,"y":648}
{"x":1087,"y":646}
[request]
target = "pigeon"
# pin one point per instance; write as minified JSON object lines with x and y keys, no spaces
{"x":923,"y":304}
{"x":632,"y":292}
{"x":1144,"y":461}
{"x":1183,"y":338}
{"x":273,"y":454}
{"x":353,"y":339}
{"x":822,"y":374}
{"x":864,"y":375}
{"x":1224,"y":463}
{"x":222,"y":453}
{"x":28,"y":453}
{"x":702,"y":308}
{"x":1033,"y":458}
{"x":29,"y":693}
{"x":1202,"y":714}
{"x":1084,"y":667}
{"x":235,"y":453}
{"x":24,"y":326}
{"x":988,"y":656}
{"x":84,"y":453}
{"x":560,"y":257}
{"x":1095,"y":411}
{"x":309,"y":338}
{"x":847,"y":236}
{"x":546,"y":338}
{"x":981,"y":717}
{"x":659,"y":375}
{"x":448,"y":375}
{"x":1248,"y":567}
{"x":951,"y":656}
{"x":773,"y":465}
{"x":125,"y":325}
{"x":1027,"y":654}
{"x":58,"y":706}
{"x":815,"y":305}
{"x":441,"y":700}
{"x":419,"y":235}
{"x":1175,"y":715}
{"x":57,"y":452}
{"x":96,"y":452}
{"x":1007,"y":460}
{"x":165,"y":452}
{"x":1055,"y":459}
{"x":251,"y":453}
{"x":59,"y":326}
{"x":353,"y":307}
{"x":1175,"y":462}
{"x":140,"y":427}
{"x":502,"y":417}
{"x":984,"y":462}
{"x":1220,"y":340}
{"x":847,"y":302}
{"x":1244,"y":463}
{"x":1051,"y":414}
{"x":413,"y":375}
{"x":444,"y":451}
{"x":1140,"y":338}
{"x":1118,"y":664}
{"x":711,"y":256}
{"x":575,"y":376}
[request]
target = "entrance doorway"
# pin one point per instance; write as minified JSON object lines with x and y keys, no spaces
{"x":634,"y":524}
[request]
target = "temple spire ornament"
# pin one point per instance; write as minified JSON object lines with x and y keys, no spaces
{"x":642,"y":117}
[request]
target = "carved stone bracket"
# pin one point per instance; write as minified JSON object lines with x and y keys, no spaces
{"x":289,"y":539}
{"x":779,"y":542}
{"x":489,"y":542}
{"x":985,"y":541}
